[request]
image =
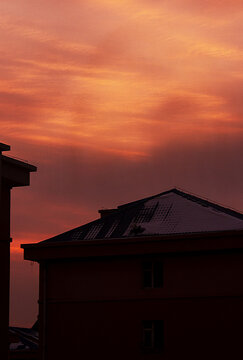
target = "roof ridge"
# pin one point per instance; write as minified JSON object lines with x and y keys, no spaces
{"x":206,"y":202}
{"x":146,"y":199}
{"x":127,"y":211}
{"x":190,"y":196}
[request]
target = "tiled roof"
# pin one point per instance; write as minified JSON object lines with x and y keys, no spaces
{"x":170,"y":212}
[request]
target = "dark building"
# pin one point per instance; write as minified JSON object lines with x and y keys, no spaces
{"x":24,"y":343}
{"x":12,"y":173}
{"x":158,"y":278}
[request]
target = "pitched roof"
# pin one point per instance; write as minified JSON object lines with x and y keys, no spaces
{"x":170,"y":212}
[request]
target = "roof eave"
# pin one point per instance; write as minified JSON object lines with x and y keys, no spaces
{"x":188,"y":242}
{"x":4,"y":147}
{"x":16,"y":172}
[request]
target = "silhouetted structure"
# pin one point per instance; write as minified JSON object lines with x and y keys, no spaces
{"x":24,"y":343}
{"x":159,"y":278}
{"x":12,"y":173}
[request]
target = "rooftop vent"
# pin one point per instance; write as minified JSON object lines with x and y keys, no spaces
{"x":105,"y":212}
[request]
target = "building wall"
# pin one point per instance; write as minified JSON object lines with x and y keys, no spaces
{"x":4,"y":268}
{"x":12,"y":173}
{"x":95,"y":307}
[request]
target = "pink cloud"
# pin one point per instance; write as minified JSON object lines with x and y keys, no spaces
{"x":116,"y":100}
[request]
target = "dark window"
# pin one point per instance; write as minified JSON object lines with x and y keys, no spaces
{"x":158,"y":274}
{"x":153,"y":335}
{"x":148,"y":334}
{"x":148,"y":274}
{"x":152,"y":274}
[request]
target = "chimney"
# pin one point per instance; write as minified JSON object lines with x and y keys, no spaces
{"x":105,"y":212}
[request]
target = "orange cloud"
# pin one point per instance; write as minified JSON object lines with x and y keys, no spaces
{"x":66,"y":91}
{"x":113,"y":101}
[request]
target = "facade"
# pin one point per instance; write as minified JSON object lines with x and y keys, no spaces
{"x":159,"y":278}
{"x":12,"y":173}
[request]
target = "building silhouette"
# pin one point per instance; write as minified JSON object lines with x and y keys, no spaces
{"x":13,"y":173}
{"x":158,"y":278}
{"x":24,"y":343}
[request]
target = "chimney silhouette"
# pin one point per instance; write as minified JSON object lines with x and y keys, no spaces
{"x":105,"y":212}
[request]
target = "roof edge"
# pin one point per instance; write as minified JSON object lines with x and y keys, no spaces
{"x":123,"y":206}
{"x":136,"y":246}
{"x":144,"y":238}
{"x":4,"y":147}
{"x":22,"y":164}
{"x":206,"y":202}
{"x":195,"y":198}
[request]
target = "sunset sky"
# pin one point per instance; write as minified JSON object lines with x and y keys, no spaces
{"x":115,"y":100}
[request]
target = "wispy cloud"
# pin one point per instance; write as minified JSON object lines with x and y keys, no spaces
{"x":113,"y":100}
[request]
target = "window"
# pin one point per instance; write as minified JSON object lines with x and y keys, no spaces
{"x":153,"y":335}
{"x":152,"y":274}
